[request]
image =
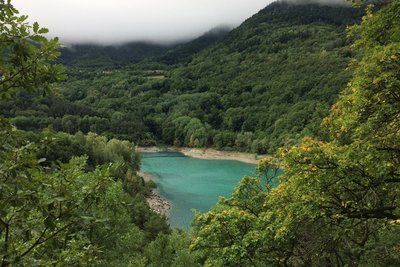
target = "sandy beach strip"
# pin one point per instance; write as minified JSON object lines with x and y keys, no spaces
{"x":208,"y":153}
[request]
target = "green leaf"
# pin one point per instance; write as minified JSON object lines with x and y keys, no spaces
{"x":22,"y":18}
{"x":43,"y":31}
{"x":35,"y":27}
{"x":38,"y":38}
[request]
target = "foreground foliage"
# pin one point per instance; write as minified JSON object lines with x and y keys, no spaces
{"x":69,"y":200}
{"x":338,"y":201}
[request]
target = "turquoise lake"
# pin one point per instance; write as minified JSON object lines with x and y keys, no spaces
{"x":190,"y":183}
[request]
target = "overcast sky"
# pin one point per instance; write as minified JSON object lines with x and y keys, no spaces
{"x":116,"y":21}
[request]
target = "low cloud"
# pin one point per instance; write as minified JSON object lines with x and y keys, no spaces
{"x":118,"y":21}
{"x":322,"y":2}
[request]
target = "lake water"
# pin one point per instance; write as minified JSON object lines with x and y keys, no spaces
{"x":190,"y":183}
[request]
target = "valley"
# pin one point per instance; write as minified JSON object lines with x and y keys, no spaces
{"x":274,"y":142}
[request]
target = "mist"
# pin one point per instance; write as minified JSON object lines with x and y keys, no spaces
{"x":119,"y":21}
{"x":322,"y":2}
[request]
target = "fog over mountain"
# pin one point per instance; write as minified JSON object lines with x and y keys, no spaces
{"x":117,"y":21}
{"x":322,"y":2}
{"x":158,"y":21}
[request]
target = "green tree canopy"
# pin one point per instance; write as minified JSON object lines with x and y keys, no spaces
{"x":338,"y":201}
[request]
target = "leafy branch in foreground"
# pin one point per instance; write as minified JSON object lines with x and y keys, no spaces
{"x":27,"y":57}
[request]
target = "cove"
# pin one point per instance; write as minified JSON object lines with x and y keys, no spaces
{"x":191,"y":183}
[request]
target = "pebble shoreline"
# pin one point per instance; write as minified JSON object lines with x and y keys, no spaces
{"x":158,"y":204}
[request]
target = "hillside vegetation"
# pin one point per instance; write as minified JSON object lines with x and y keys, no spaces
{"x":264,"y":85}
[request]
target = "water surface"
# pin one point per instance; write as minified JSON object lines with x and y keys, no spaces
{"x":190,"y":183}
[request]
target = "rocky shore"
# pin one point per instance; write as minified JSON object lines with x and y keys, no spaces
{"x":158,"y":204}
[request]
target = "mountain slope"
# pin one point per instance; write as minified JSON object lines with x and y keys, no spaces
{"x":264,"y":85}
{"x":275,"y":76}
{"x":185,"y":52}
{"x":94,"y":55}
{"x":91,"y":55}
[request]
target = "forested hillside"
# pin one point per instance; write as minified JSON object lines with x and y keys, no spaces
{"x":185,"y":52}
{"x":98,"y":56}
{"x":267,"y":83}
{"x":264,"y":85}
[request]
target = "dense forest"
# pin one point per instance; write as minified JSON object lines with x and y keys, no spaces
{"x":264,"y":85}
{"x":69,"y":190}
